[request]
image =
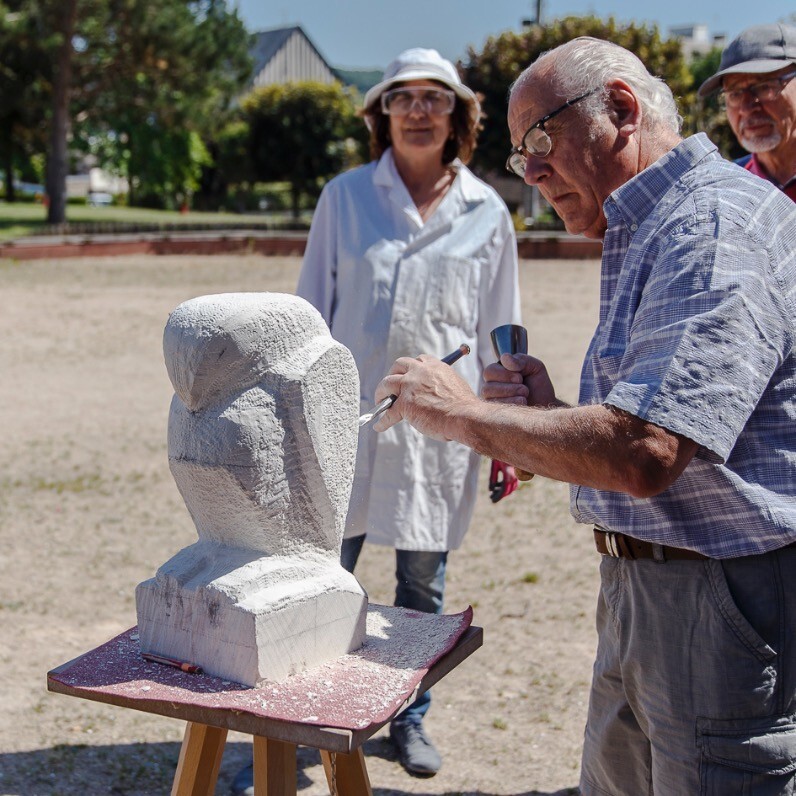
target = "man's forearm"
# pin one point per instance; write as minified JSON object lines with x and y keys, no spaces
{"x":595,"y":446}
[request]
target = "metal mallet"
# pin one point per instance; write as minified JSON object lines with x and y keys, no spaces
{"x":511,"y":338}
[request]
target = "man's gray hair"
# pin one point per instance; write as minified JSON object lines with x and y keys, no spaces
{"x":585,"y":63}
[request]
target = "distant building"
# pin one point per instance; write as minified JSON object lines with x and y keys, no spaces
{"x":286,"y":55}
{"x":695,"y":40}
{"x":92,"y":180}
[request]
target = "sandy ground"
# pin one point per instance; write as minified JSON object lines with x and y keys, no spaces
{"x":88,"y":509}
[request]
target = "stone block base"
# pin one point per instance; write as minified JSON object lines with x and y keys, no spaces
{"x":259,"y":619}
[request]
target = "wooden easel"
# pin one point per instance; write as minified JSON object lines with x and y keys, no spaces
{"x":275,"y":768}
{"x":275,"y":739}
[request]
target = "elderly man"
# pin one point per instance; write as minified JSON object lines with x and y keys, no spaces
{"x":682,"y":450}
{"x":757,"y":86}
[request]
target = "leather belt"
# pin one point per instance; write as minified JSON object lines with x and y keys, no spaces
{"x":617,"y":545}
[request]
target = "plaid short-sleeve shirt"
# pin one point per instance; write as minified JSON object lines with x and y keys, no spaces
{"x":696,"y":334}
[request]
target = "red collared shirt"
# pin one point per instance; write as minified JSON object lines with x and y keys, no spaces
{"x":751,"y":163}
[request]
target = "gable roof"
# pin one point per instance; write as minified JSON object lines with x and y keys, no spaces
{"x":267,"y":44}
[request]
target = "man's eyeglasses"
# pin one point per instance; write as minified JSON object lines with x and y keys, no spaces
{"x":537,"y":141}
{"x":764,"y":91}
{"x":401,"y":101}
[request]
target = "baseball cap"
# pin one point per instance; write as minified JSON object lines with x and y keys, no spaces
{"x":757,"y":50}
{"x":419,"y":63}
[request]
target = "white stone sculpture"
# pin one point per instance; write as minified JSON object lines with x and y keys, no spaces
{"x":262,"y":441}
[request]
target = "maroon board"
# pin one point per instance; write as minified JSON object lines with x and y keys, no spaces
{"x":353,"y":692}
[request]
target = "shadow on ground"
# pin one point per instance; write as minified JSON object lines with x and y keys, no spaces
{"x":383,"y":748}
{"x":136,"y":769}
{"x":147,"y":769}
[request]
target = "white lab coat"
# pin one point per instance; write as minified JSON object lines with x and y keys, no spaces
{"x":390,"y":285}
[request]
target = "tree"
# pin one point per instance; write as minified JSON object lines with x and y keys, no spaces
{"x":492,"y":71}
{"x":231,"y":166}
{"x":158,"y":81}
{"x":25,"y":88}
{"x":57,"y":163}
{"x":302,"y":132}
{"x":139,"y":84}
{"x":706,"y":114}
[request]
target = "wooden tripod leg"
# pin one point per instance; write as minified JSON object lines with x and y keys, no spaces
{"x":346,"y":774}
{"x":200,"y":759}
{"x":275,"y":770}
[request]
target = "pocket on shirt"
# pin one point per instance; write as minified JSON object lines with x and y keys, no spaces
{"x":453,"y":294}
{"x":748,"y":757}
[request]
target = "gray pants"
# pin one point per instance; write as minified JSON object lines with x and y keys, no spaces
{"x":694,"y":685}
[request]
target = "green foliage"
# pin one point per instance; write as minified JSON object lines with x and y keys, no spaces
{"x":25,"y":85}
{"x":166,"y":166}
{"x":183,"y":61}
{"x":150,"y":82}
{"x":492,"y":71}
{"x":232,"y":151}
{"x":159,"y":79}
{"x":303,"y":132}
{"x":707,"y":115}
{"x":703,"y":66}
{"x":226,"y":182}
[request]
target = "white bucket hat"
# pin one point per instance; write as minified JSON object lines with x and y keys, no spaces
{"x":418,"y":63}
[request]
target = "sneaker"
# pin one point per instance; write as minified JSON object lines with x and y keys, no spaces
{"x":243,"y":784}
{"x":415,"y":750}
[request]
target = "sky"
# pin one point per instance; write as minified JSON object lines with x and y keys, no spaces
{"x":368,"y":34}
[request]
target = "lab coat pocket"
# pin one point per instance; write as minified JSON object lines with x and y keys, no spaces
{"x":453,"y":293}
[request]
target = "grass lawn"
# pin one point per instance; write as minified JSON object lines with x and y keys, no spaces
{"x":20,"y":219}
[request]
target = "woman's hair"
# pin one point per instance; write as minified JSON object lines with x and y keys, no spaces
{"x":584,"y":63}
{"x":464,"y":127}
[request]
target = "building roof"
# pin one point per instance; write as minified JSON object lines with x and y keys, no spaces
{"x":267,"y":44}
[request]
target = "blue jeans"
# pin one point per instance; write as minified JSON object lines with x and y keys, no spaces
{"x":420,"y":584}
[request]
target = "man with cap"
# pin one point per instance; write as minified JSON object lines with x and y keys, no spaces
{"x":757,"y":86}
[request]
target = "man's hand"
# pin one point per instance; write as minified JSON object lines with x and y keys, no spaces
{"x":429,"y":394}
{"x":519,"y":379}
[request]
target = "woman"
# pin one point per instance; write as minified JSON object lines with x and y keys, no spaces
{"x":413,"y":254}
